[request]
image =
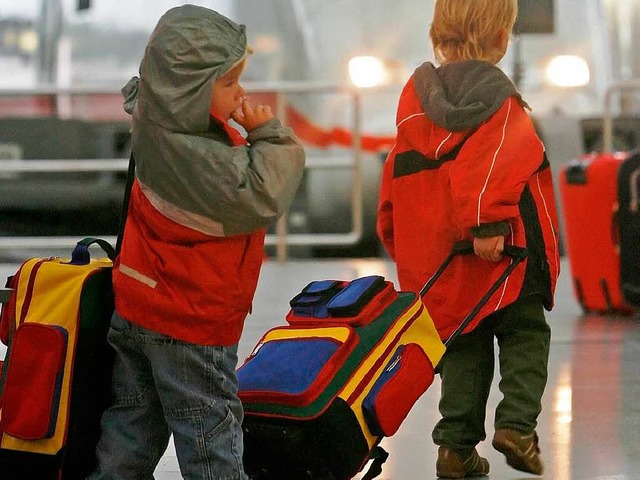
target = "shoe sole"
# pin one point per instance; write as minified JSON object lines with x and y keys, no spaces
{"x":514,"y":458}
{"x":440,"y":475}
{"x":460,"y":474}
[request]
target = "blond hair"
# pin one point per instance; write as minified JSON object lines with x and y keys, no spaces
{"x":470,"y":29}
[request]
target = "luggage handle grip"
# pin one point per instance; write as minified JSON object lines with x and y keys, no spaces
{"x":466,"y":248}
{"x":517,"y":254}
{"x":81,"y":255}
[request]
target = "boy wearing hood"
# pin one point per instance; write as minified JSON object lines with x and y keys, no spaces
{"x":192,"y":249}
{"x":468,"y":166}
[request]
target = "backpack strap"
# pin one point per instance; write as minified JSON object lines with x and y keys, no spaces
{"x":131,"y":175}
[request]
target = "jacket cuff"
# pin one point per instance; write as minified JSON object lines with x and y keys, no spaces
{"x":497,"y":229}
{"x":269,"y":129}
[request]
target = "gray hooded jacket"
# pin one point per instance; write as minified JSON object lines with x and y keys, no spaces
{"x":186,"y":163}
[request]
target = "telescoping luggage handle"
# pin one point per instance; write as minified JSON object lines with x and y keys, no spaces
{"x":517,"y":254}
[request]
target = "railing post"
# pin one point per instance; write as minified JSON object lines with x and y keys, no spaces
{"x":607,"y":118}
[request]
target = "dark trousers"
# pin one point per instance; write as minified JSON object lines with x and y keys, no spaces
{"x":466,"y":370}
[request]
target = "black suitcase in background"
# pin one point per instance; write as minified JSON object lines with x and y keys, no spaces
{"x":629,"y":219}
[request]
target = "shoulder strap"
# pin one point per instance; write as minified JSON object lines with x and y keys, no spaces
{"x":131,"y":175}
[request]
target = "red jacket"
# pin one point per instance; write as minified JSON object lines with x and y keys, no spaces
{"x":186,"y":284}
{"x":446,"y":183}
{"x":177,"y":273}
{"x":193,"y":242}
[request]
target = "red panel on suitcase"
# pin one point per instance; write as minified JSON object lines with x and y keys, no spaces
{"x":588,"y":189}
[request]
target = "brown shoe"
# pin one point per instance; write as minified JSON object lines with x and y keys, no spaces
{"x":452,"y":464}
{"x":521,"y":450}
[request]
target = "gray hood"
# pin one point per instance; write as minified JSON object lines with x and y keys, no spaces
{"x":189,"y":49}
{"x":461,"y":95}
{"x":190,"y":166}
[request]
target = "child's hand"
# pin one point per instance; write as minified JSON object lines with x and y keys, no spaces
{"x":489,"y":248}
{"x":250,"y":117}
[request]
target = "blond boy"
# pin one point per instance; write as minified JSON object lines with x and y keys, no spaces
{"x":468,"y":166}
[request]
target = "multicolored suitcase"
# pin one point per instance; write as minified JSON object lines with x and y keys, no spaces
{"x":321,"y":392}
{"x":56,"y":375}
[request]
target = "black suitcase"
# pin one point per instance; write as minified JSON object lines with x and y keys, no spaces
{"x":629,"y":220}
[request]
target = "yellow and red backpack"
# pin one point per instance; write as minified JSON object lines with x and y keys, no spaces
{"x":56,"y":376}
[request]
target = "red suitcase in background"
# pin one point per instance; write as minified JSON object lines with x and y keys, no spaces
{"x":589,"y":193}
{"x":602,"y":224}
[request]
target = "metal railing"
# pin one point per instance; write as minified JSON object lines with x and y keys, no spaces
{"x":282,"y":239}
{"x":620,"y":88}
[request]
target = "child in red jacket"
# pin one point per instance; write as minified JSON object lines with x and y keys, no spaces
{"x":192,"y":249}
{"x":468,"y":165}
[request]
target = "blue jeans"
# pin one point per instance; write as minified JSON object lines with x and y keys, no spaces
{"x":163,"y":386}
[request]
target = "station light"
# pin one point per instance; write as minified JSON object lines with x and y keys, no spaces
{"x":28,"y":41}
{"x":18,"y":37}
{"x":367,"y":71}
{"x":568,"y":71}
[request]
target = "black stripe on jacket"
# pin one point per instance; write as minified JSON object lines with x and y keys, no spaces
{"x":412,"y":161}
